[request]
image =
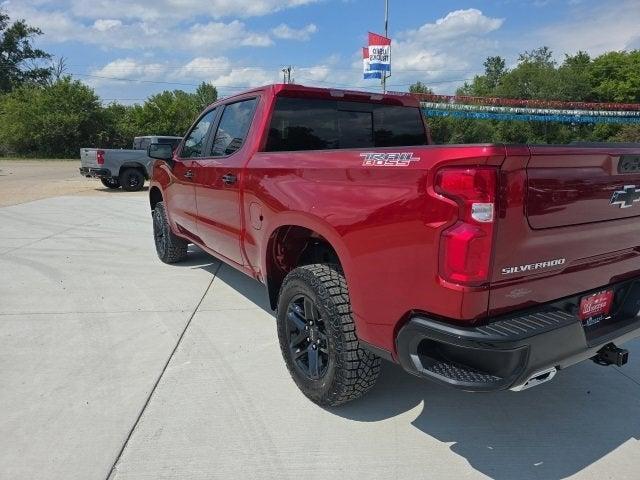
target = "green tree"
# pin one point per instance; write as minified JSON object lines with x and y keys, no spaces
{"x":575,"y":82}
{"x":485,"y":85}
{"x":616,"y":77}
{"x":206,"y":94}
{"x":167,"y":112}
{"x":533,"y":78}
{"x":494,"y":70}
{"x":52,"y":121}
{"x":20,"y":62}
{"x":420,"y":87}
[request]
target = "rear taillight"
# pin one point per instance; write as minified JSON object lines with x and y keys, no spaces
{"x":465,"y":247}
{"x":100,"y":157}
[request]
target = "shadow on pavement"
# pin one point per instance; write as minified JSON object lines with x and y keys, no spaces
{"x":246,"y":286}
{"x":548,"y":432}
{"x":118,"y":190}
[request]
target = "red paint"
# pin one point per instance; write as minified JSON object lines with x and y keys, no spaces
{"x":387,"y":223}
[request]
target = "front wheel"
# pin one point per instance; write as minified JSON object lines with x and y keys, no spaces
{"x":111,"y":183}
{"x":169,"y":247}
{"x":318,"y":339}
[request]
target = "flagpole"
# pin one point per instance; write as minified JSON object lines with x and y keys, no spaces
{"x":386,"y":34}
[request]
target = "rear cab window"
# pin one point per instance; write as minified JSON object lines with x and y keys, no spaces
{"x":321,"y":124}
{"x":141,"y":143}
{"x":169,"y":141}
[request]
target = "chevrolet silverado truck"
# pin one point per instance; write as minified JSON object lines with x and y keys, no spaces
{"x":482,"y":267}
{"x":122,"y":168}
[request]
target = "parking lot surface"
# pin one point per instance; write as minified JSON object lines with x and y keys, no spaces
{"x":114,"y":365}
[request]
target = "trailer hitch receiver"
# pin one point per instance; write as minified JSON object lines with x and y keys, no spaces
{"x":612,"y":355}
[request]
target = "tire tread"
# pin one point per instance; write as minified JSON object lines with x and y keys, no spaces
{"x":177,"y":247}
{"x":357,"y":369}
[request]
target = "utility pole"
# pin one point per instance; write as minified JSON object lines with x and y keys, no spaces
{"x":386,"y":34}
{"x":286,"y":74}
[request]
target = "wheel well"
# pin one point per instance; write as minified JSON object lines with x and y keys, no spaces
{"x":137,"y":166}
{"x":292,"y":246}
{"x":155,"y":196}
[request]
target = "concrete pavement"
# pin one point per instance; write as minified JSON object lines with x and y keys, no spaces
{"x":92,"y":385}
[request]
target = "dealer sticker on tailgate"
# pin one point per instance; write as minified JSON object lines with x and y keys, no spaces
{"x":595,"y":308}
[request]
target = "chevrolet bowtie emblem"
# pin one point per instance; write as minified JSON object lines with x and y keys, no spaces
{"x":626,"y":197}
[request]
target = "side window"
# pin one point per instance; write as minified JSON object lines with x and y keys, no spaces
{"x":233,"y":128}
{"x":194,"y":143}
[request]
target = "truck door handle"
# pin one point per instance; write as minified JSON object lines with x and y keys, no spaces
{"x":229,"y":179}
{"x":188,"y":174}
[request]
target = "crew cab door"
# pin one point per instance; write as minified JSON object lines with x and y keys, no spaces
{"x":180,"y":193}
{"x":217,"y":184}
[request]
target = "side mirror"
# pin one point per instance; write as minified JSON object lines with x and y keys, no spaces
{"x":160,"y":151}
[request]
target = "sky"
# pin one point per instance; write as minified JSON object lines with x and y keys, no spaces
{"x":130,"y":49}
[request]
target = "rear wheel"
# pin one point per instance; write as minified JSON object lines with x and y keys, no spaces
{"x":112,"y":183}
{"x":132,"y":180}
{"x":318,"y":339}
{"x":169,"y":247}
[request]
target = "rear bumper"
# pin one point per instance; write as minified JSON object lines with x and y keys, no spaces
{"x":95,"y":172}
{"x":507,"y":351}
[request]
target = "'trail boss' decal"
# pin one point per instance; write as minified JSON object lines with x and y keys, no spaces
{"x":372,"y":159}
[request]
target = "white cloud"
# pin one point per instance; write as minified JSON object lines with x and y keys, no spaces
{"x":102,"y":25}
{"x":286,"y":32}
{"x":179,"y":9}
{"x":225,"y":35}
{"x":446,"y":52}
{"x":129,"y":68}
{"x":219,"y":71}
{"x":138,"y":34}
{"x":459,"y":23}
{"x":611,"y":26}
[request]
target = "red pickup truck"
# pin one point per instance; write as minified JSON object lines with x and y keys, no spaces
{"x":484,"y":267}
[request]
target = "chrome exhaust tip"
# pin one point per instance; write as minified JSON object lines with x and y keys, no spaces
{"x":536,"y":379}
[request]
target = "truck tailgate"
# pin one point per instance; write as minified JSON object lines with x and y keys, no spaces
{"x":88,"y":157}
{"x":567,"y":223}
{"x":577,"y":188}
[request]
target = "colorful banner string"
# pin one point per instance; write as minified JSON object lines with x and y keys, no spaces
{"x":479,"y":115}
{"x":512,"y":102}
{"x":530,"y":111}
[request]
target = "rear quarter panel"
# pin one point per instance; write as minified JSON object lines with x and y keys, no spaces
{"x":115,"y":159}
{"x":384,"y":223}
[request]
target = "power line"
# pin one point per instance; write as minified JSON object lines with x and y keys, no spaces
{"x":160,"y":82}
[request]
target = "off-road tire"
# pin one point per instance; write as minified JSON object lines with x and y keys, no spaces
{"x":169,"y":247}
{"x":351,"y":371}
{"x":111,"y":183}
{"x":132,"y":180}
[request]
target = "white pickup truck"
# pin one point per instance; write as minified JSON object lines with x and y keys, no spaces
{"x":122,"y":168}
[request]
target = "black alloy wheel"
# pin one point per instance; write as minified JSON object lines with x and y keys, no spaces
{"x":308,"y":343}
{"x":317,"y":336}
{"x":132,"y":180}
